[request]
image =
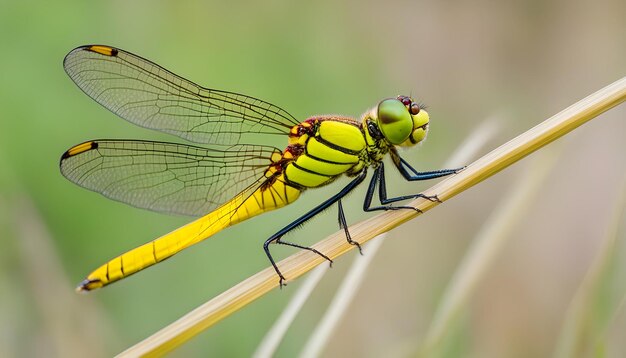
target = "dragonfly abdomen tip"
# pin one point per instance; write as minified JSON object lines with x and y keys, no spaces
{"x":88,"y":285}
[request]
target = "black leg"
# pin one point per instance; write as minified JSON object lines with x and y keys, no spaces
{"x":344,"y":225}
{"x":405,"y":167}
{"x":410,"y":174}
{"x":382,"y":190}
{"x":276,"y":238}
{"x":378,"y":179}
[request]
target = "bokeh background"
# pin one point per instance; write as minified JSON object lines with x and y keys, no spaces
{"x":514,"y":63}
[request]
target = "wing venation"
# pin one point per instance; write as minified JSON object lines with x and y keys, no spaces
{"x":150,"y":96}
{"x":166,"y":177}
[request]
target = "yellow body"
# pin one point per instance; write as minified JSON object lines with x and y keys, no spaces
{"x":241,"y":207}
{"x":332,"y":146}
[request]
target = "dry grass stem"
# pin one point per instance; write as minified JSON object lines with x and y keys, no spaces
{"x":335,"y":245}
{"x":275,"y":335}
{"x":337,"y":308}
{"x":485,"y":247}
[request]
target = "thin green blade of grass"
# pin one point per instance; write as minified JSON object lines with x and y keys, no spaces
{"x":615,"y":327}
{"x":43,"y":281}
{"x":589,"y":313}
{"x":335,"y":245}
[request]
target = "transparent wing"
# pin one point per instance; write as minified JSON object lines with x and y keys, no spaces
{"x":150,"y":96}
{"x":166,"y":177}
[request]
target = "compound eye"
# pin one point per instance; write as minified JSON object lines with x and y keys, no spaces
{"x":414,"y":108}
{"x":420,"y":129}
{"x":405,"y":100}
{"x":394,"y":120}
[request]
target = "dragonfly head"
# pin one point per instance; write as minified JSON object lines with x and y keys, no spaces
{"x":402,"y":121}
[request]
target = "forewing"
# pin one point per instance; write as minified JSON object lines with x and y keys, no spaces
{"x":166,"y":177}
{"x":148,"y":95}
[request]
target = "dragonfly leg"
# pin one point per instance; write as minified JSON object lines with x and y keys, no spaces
{"x":405,"y":167}
{"x":378,"y":179}
{"x":276,"y":238}
{"x":344,"y":225}
{"x":266,"y":248}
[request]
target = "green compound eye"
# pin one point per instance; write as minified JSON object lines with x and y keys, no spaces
{"x":420,"y":128}
{"x":394,"y":120}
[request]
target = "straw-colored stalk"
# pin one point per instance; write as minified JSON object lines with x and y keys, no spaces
{"x":485,"y":248}
{"x":335,"y":245}
{"x":275,"y":335}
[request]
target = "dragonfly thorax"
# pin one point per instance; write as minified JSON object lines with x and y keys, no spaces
{"x":322,"y":148}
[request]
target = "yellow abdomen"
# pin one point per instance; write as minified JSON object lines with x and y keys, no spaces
{"x":243,"y":206}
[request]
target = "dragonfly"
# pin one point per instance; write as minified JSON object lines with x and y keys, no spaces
{"x":253,"y":156}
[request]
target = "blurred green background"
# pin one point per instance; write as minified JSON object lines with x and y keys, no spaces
{"x":514,"y":62}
